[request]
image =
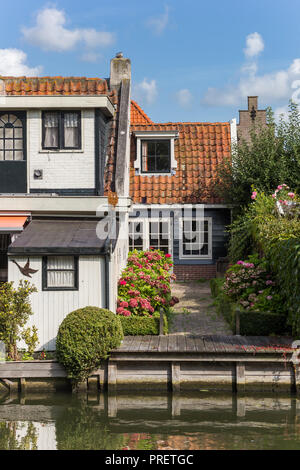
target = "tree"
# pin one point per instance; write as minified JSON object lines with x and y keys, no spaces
{"x":272,"y":157}
{"x":15,"y":309}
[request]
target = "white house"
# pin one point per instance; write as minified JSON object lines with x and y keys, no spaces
{"x":64,"y":174}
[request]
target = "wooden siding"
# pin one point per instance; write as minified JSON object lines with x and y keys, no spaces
{"x":51,"y":307}
{"x":220,"y":219}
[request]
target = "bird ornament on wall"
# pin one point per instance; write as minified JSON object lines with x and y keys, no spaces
{"x":26,"y":270}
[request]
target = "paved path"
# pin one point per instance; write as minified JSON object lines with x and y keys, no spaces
{"x":195,"y":313}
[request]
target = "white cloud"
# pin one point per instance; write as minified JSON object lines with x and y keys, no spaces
{"x":50,"y":33}
{"x":13,"y":62}
{"x":145,"y":91}
{"x":184,"y":97}
{"x":159,"y":24}
{"x":254,"y":45}
{"x":90,"y":56}
{"x":270,"y":87}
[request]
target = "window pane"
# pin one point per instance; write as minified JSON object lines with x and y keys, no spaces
{"x":18,"y":155}
{"x":151,"y":164}
{"x":163,"y":164}
{"x":162,"y":148}
{"x":71,"y":137}
{"x":195,"y":238}
{"x":18,"y":132}
{"x":60,"y":279}
{"x":9,"y":144}
{"x":150,"y":147}
{"x":60,"y":262}
{"x":1,"y":155}
{"x":9,"y":132}
{"x":18,"y":144}
{"x":9,"y":155}
{"x":50,"y":123}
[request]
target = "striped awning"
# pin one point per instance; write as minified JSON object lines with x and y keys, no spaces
{"x":12,"y":223}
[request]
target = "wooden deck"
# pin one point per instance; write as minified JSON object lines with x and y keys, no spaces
{"x":178,"y":362}
{"x":203,"y":344}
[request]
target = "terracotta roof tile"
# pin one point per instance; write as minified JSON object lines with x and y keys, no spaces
{"x":200,"y":148}
{"x":38,"y":86}
{"x":138,"y":116}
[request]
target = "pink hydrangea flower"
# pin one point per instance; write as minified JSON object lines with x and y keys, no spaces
{"x":254,"y":194}
{"x":124,"y":304}
{"x":133,"y":303}
{"x":269,"y":297}
{"x":122,"y":283}
{"x":291,"y":195}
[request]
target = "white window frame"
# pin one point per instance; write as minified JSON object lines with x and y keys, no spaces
{"x":155,"y":135}
{"x":146,"y":230}
{"x":183,"y":256}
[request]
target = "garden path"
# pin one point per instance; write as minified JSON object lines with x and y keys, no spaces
{"x":195,"y":312}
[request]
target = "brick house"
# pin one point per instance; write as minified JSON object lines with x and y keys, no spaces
{"x":64,"y":154}
{"x":172,"y":168}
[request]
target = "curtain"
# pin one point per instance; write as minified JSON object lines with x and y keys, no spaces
{"x":51,"y":130}
{"x":145,"y":156}
{"x":60,"y":271}
{"x":71,"y":125}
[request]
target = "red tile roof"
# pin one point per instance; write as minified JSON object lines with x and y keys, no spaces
{"x":138,"y":116}
{"x":200,"y":148}
{"x":38,"y":86}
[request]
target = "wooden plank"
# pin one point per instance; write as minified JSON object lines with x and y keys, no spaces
{"x":190,"y":344}
{"x":135,"y":344}
{"x":154,"y":344}
{"x":228,"y":346}
{"x":172,"y":344}
{"x":125,"y":346}
{"x":209,"y":344}
{"x":199,"y":344}
{"x":163,"y":344}
{"x":219,"y":343}
{"x":181,"y":342}
{"x":145,"y":343}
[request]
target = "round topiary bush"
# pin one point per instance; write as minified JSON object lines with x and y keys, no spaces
{"x":85,"y":337}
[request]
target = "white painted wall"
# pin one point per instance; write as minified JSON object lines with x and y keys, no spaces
{"x":51,"y":307}
{"x":63,"y":169}
{"x":118,"y":261}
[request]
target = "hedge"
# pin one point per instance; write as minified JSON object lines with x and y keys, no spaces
{"x":252,"y":323}
{"x":136,"y":325}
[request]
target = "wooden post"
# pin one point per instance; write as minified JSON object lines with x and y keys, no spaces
{"x":112,"y":405}
{"x":240,"y":377}
{"x":175,"y":376}
{"x":176,"y":405}
{"x":112,"y":376}
{"x":161,"y":322}
{"x":23,"y":385}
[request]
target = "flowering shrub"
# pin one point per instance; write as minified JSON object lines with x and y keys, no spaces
{"x":145,"y":284}
{"x":251,"y":285}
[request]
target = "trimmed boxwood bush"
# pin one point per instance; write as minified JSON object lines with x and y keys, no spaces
{"x":85,"y":337}
{"x":141,"y":326}
{"x":261,"y":323}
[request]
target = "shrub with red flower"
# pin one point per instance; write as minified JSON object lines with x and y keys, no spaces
{"x":144,"y":286}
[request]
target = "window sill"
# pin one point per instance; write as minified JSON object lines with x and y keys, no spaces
{"x":62,"y":151}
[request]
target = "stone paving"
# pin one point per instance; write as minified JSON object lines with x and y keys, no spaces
{"x":195,"y":313}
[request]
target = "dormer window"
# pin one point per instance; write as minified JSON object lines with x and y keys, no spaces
{"x":155,"y":152}
{"x":61,"y":130}
{"x":156,"y":156}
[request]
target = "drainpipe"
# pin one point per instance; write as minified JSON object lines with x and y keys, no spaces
{"x":107,"y":280}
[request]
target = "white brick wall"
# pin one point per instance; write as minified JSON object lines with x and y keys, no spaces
{"x":61,"y":170}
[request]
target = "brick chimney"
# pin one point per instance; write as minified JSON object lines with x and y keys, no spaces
{"x":120,"y":69}
{"x":250,"y":117}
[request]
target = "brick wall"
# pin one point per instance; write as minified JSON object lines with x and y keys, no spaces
{"x":251,"y":116}
{"x":193,"y":272}
{"x":61,"y":170}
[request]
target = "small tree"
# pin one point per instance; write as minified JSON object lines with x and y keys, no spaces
{"x":15,"y":309}
{"x":271,"y":157}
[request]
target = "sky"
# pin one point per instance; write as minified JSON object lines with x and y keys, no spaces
{"x":192,"y":60}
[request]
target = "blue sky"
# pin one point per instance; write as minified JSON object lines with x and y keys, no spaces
{"x":191,"y":61}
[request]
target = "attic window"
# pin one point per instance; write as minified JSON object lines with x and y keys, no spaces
{"x":155,"y":152}
{"x":156,"y":156}
{"x":61,"y":130}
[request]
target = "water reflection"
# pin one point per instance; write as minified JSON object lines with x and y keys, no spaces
{"x":195,"y":421}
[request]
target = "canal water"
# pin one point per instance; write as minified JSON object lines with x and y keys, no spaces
{"x":149,"y":422}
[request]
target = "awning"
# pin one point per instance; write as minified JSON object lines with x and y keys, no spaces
{"x":44,"y":237}
{"x":12,"y":223}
